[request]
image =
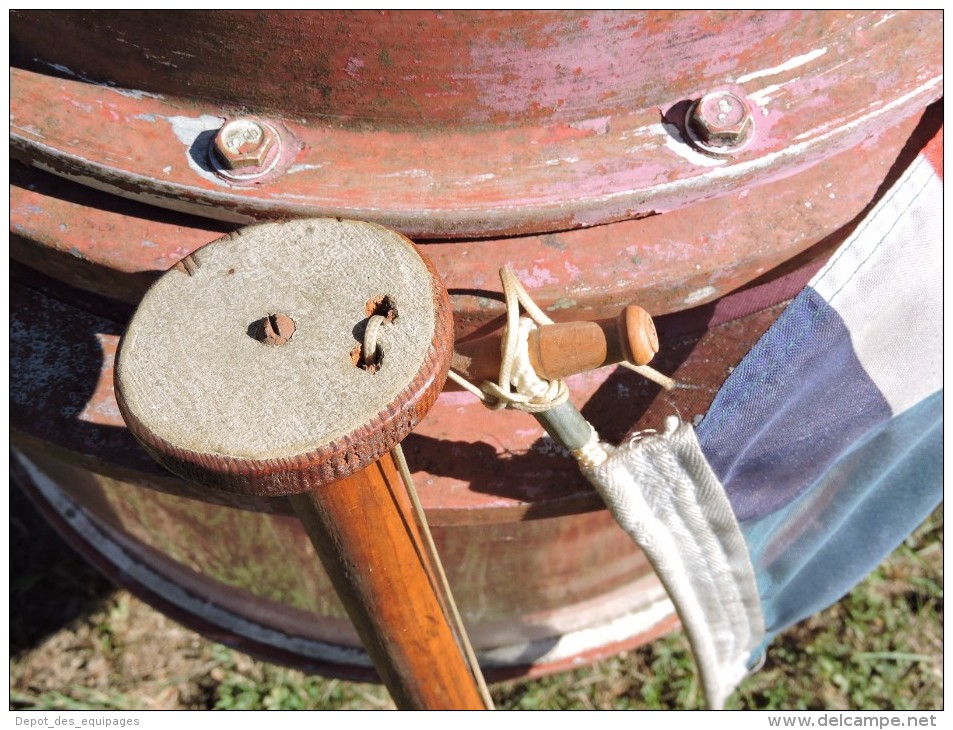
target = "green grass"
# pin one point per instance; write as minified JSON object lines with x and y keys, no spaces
{"x":880,"y":647}
{"x":249,"y":685}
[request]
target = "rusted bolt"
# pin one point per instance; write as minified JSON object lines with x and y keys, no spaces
{"x":275,"y":329}
{"x":243,"y":143}
{"x":720,"y":123}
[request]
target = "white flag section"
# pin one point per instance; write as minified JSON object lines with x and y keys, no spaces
{"x":662,"y":492}
{"x":819,"y":455}
{"x":887,"y":284}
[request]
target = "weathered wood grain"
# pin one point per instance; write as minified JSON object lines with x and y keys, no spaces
{"x":364,"y":520}
{"x":216,"y":405}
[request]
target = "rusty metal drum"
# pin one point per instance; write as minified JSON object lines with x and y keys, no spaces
{"x":668,"y":158}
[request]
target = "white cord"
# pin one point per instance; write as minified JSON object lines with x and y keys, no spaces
{"x":518,"y":386}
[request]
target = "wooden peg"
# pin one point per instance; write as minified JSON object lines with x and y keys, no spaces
{"x":563,"y":349}
{"x":243,"y":372}
{"x":566,"y":348}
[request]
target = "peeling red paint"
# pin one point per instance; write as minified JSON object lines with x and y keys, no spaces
{"x":424,"y":171}
{"x":652,"y":261}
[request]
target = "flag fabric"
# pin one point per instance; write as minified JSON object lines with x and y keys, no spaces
{"x":828,"y":436}
{"x":821,"y":452}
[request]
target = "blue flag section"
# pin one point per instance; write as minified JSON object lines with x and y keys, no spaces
{"x":819,"y":455}
{"x":827,"y":438}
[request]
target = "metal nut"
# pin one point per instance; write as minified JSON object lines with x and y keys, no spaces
{"x":244,"y":143}
{"x":721,"y":121}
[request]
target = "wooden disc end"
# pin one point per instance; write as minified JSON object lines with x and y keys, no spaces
{"x":637,"y":335}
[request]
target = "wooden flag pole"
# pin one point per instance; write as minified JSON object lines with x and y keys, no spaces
{"x":288,"y":360}
{"x":394,"y":607}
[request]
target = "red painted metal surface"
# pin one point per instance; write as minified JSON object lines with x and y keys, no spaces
{"x":433,"y":69}
{"x":819,"y":83}
{"x":463,"y":130}
{"x":665,"y":263}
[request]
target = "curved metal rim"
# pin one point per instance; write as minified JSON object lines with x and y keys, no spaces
{"x":665,"y":263}
{"x":641,"y":625}
{"x":466,"y":183}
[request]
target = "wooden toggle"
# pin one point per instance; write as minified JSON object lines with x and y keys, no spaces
{"x":563,"y":349}
{"x":566,"y":348}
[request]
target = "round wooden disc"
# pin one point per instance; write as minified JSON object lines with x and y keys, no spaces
{"x":203,"y":385}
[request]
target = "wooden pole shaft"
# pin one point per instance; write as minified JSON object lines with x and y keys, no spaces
{"x":238,"y":371}
{"x":364,"y":531}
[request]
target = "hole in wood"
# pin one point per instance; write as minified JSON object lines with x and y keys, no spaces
{"x":382,"y":305}
{"x":367,"y":354}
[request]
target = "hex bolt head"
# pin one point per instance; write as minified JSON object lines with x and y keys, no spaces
{"x":720,"y":123}
{"x":244,"y":142}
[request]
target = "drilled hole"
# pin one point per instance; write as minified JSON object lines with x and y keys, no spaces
{"x":367,"y":354}
{"x":382,"y":305}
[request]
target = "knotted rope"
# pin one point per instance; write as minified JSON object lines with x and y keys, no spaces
{"x":518,"y":386}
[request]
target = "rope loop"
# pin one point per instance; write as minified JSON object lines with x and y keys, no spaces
{"x":518,"y":386}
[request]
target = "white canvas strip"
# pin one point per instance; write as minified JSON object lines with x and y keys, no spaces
{"x":886,"y":282}
{"x":664,"y":494}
